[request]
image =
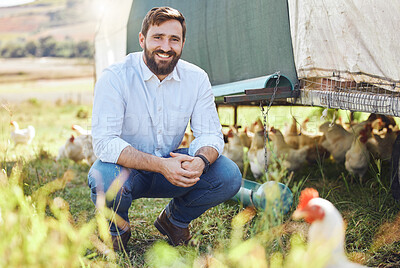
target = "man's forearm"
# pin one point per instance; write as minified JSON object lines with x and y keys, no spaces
{"x":209,"y":152}
{"x":133,"y":158}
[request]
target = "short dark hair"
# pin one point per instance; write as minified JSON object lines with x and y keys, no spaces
{"x":158,"y":15}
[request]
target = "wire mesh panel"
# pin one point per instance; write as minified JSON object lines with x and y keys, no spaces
{"x":331,"y":92}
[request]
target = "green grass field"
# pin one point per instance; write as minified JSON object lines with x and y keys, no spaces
{"x":46,"y":226}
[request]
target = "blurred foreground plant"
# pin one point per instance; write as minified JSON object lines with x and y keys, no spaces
{"x":38,"y":231}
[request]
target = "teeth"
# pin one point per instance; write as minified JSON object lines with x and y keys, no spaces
{"x":163,"y":55}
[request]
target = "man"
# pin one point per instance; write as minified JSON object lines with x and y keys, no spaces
{"x":140,"y":112}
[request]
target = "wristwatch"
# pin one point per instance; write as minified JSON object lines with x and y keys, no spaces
{"x":206,"y":162}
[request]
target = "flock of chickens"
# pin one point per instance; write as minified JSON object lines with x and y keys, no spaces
{"x":75,"y":148}
{"x":353,"y":145}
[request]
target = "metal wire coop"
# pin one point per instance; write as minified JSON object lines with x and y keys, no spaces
{"x":382,"y":97}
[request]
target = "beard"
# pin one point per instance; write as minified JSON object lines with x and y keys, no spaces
{"x":161,"y":68}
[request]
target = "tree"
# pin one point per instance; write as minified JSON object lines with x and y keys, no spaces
{"x":31,"y":48}
{"x":48,"y":46}
{"x":84,"y":49}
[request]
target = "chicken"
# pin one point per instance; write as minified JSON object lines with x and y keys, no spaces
{"x":80,"y":130}
{"x":338,"y":140}
{"x":357,"y":157}
{"x":256,"y":154}
{"x":385,"y":120}
{"x":72,"y":149}
{"x":84,"y":140}
{"x":326,"y":235}
{"x":384,"y":142}
{"x":255,"y":127}
{"x":233,"y":149}
{"x":292,"y":135}
{"x":22,"y":136}
{"x":87,"y":148}
{"x":316,"y":151}
{"x":293,"y":159}
{"x":245,"y":138}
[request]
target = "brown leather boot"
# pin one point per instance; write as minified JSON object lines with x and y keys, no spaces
{"x":177,"y":236}
{"x":120,"y":241}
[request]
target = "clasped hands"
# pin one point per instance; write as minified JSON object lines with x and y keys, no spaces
{"x":183,"y":170}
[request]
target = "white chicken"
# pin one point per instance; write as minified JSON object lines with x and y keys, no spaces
{"x":80,"y":130}
{"x":292,"y":134}
{"x":72,"y":149}
{"x":233,"y":149}
{"x":256,"y":154}
{"x":358,"y":156}
{"x":87,"y":148}
{"x":293,"y":159}
{"x":338,"y":140}
{"x":22,"y":136}
{"x":245,"y":138}
{"x":326,"y":235}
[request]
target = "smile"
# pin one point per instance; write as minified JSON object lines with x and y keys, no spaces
{"x":163,"y":55}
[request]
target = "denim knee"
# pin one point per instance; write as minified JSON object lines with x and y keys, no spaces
{"x":228,"y":174}
{"x":103,"y":177}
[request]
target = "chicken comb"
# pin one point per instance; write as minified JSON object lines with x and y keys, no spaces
{"x":305,"y":196}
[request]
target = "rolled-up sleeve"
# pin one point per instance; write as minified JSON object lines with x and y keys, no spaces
{"x":108,"y":115}
{"x":205,"y":122}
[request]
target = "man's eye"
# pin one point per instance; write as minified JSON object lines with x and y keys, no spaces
{"x":175,"y":39}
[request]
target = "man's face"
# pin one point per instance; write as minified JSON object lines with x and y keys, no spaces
{"x":162,"y":47}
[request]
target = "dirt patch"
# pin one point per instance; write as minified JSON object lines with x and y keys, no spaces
{"x":19,"y":24}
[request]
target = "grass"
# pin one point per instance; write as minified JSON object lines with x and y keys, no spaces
{"x":226,"y":234}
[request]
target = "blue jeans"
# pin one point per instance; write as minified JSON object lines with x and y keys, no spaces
{"x":220,"y":183}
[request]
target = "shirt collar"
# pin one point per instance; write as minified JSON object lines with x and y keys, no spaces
{"x":147,"y":74}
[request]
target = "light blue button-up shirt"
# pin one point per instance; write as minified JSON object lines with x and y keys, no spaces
{"x":132,"y":107}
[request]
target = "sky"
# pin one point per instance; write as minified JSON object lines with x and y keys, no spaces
{"x":10,"y":3}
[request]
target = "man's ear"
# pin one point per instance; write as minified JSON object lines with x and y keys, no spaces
{"x":141,"y":40}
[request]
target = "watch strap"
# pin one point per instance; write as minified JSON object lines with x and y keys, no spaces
{"x":206,"y":162}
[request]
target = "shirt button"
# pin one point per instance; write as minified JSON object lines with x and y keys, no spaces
{"x":159,"y":131}
{"x":159,"y":109}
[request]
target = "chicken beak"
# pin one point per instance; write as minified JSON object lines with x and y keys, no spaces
{"x":299,"y":214}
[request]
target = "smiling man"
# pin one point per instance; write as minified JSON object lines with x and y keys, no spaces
{"x":140,"y":112}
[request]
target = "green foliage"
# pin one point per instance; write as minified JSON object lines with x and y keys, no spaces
{"x":32,"y":238}
{"x":13,"y":50}
{"x":47,"y":47}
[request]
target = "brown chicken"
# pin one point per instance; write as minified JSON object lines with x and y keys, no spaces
{"x":384,"y":142}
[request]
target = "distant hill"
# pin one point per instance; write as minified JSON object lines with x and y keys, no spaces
{"x":62,"y":19}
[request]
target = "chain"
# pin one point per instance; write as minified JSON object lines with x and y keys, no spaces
{"x":265,"y":114}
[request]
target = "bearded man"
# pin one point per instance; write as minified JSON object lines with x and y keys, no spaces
{"x":141,"y":109}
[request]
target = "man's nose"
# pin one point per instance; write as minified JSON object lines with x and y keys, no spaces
{"x":165,"y":45}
